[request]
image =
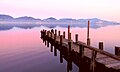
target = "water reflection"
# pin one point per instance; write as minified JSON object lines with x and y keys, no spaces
{"x":23,"y":51}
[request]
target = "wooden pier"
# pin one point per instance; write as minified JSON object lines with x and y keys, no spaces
{"x":86,"y":57}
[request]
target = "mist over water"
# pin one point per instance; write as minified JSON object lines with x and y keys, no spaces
{"x":22,"y":50}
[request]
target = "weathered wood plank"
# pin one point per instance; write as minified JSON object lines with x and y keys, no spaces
{"x":113,"y":65}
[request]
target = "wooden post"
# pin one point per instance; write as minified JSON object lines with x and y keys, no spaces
{"x":81,"y":51}
{"x":76,"y":38}
{"x":101,"y":45}
{"x":55,"y":51}
{"x":61,"y":57}
{"x":117,"y":51}
{"x":61,"y":40}
{"x":58,"y":33}
{"x":69,"y":42}
{"x":48,"y":33}
{"x":88,"y":29}
{"x":48,"y":38}
{"x":45,"y":37}
{"x":52,"y":30}
{"x":55,"y":35}
{"x":47,"y":43}
{"x":55,"y":31}
{"x":41,"y":33}
{"x":51,"y":48}
{"x":44,"y":32}
{"x":69,"y":66}
{"x":64,"y":34}
{"x":70,"y":36}
{"x":68,"y":31}
{"x":51,"y":34}
{"x":92,"y":65}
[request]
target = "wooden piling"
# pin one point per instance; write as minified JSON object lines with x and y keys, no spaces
{"x":81,"y":51}
{"x":69,"y":66}
{"x":47,"y":43}
{"x":55,"y":31}
{"x":61,"y":40}
{"x":76,"y":38}
{"x":88,"y":31}
{"x":64,"y":34}
{"x":117,"y":51}
{"x":69,"y":37}
{"x":45,"y":37}
{"x":93,"y":64}
{"x":61,"y":57}
{"x":101,"y":45}
{"x":69,"y":42}
{"x":58,"y":33}
{"x":55,"y":37}
{"x":68,"y":31}
{"x":52,"y":30}
{"x":88,"y":41}
{"x":51,"y":48}
{"x":51,"y":34}
{"x":55,"y":51}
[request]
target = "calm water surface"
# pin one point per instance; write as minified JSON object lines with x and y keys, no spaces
{"x":22,"y":50}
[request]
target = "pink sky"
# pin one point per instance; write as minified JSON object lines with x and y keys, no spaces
{"x":103,"y":9}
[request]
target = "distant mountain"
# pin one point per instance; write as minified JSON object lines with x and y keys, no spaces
{"x":50,"y":19}
{"x":11,"y":19}
{"x":5,"y":17}
{"x":29,"y":22}
{"x":25,"y":18}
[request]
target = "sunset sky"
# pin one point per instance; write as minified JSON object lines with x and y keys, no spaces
{"x":103,"y":9}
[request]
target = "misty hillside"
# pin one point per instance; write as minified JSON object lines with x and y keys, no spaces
{"x":7,"y":22}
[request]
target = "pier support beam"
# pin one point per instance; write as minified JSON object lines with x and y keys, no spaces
{"x":81,"y":51}
{"x":52,"y":30}
{"x":68,"y":31}
{"x":55,"y":35}
{"x":76,"y":38}
{"x":61,"y":57}
{"x":69,"y":42}
{"x":55,"y":31}
{"x":55,"y":51}
{"x":64,"y":34}
{"x":58,"y":33}
{"x":47,"y":38}
{"x":51,"y":48}
{"x":93,"y":64}
{"x":61,"y":42}
{"x":69,"y":65}
{"x":117,"y":51}
{"x":88,"y":30}
{"x":101,"y":45}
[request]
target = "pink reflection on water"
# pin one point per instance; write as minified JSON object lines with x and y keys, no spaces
{"x":16,"y":41}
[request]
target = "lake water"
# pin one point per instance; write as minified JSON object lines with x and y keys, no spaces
{"x":22,"y":50}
